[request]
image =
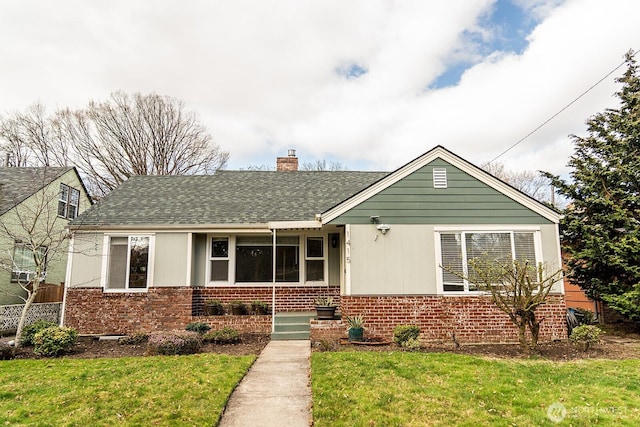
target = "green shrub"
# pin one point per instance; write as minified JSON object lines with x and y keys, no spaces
{"x":54,"y":340}
{"x":223,"y":336}
{"x":30,"y":330}
{"x":585,"y":335}
{"x":412,"y":344}
{"x":214,"y":308}
{"x":259,"y":307}
{"x":403,"y":333}
{"x":174,"y":342}
{"x":198,"y":327}
{"x":134,"y":339}
{"x":584,"y":316}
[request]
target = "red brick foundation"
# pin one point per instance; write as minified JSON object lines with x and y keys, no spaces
{"x":290,"y":298}
{"x":473,"y":319}
{"x":92,"y":311}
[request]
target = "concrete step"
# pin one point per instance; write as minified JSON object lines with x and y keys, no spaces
{"x":292,"y":327}
{"x":281,"y":336}
{"x":294,"y":317}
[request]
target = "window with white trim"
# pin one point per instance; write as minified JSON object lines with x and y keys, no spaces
{"x":68,"y":202}
{"x":254,"y":259}
{"x":315,"y":259}
{"x":457,"y":249}
{"x":24,"y":262}
{"x":128,"y":262}
{"x":219,"y":259}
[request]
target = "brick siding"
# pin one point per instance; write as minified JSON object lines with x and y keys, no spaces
{"x":473,"y":319}
{"x":92,"y":311}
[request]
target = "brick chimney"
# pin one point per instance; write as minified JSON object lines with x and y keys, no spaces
{"x":289,"y":163}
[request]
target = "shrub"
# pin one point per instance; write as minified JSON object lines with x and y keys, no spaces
{"x":584,"y":336}
{"x":174,"y":342}
{"x":238,"y":307}
{"x":214,"y":308}
{"x":134,"y":339}
{"x":29,"y":331}
{"x":223,"y":336}
{"x":259,"y":307}
{"x":584,"y":316}
{"x":53,"y":340}
{"x":198,"y":327}
{"x":403,"y":333}
{"x":412,"y":344}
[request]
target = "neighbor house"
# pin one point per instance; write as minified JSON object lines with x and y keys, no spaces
{"x":151,"y":253}
{"x":35,"y":202}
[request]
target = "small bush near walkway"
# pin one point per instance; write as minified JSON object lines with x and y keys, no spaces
{"x":223,"y":336}
{"x":174,"y":342}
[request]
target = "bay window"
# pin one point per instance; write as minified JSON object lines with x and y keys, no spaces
{"x":458,"y":249}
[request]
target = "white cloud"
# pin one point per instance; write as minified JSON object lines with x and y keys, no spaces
{"x":262,"y":75}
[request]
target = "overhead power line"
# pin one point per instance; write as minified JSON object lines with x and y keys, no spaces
{"x":564,"y":108}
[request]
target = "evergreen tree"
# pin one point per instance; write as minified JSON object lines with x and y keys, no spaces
{"x":601,"y":228}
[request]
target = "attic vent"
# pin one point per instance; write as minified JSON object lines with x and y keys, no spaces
{"x":439,"y":178}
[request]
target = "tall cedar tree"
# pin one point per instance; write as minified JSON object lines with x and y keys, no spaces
{"x":601,"y":228}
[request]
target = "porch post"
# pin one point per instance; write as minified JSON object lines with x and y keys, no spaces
{"x":273,"y":291}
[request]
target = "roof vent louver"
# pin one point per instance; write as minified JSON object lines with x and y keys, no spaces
{"x":439,"y":178}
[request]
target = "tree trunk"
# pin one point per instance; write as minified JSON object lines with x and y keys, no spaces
{"x":23,"y":316}
{"x":522,"y":336}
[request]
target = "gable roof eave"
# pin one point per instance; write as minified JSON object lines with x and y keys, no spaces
{"x":439,"y":152}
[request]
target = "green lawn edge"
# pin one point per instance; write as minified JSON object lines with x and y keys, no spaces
{"x":416,"y":389}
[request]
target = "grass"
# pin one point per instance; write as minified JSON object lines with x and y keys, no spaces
{"x":418,"y":389}
{"x":175,"y":390}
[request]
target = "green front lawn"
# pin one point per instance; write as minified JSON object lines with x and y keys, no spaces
{"x":417,"y":389}
{"x":176,"y":390}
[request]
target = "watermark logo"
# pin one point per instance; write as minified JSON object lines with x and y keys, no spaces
{"x":556,"y":412}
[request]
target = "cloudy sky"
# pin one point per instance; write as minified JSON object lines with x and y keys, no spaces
{"x":371,"y":84}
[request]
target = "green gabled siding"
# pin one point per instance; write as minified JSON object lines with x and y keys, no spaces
{"x":413,"y":200}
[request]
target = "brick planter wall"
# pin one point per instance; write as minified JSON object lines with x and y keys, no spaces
{"x":327,"y":330}
{"x":290,"y":298}
{"x":92,"y":311}
{"x":473,"y":319}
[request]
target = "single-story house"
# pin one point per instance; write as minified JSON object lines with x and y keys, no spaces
{"x":150,"y":254}
{"x":36,"y":205}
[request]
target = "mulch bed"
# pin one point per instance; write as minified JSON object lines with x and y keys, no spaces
{"x":613,"y":345}
{"x":91,"y":348}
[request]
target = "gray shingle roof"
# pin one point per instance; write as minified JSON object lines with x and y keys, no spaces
{"x":16,"y":184}
{"x":228,"y":197}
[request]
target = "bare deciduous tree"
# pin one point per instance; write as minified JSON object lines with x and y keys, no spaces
{"x":323,"y":165}
{"x":112,"y":140}
{"x":34,"y":139}
{"x":529,"y":182}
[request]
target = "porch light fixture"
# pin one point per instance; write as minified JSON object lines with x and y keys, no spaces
{"x":383,"y":228}
{"x":374,"y":219}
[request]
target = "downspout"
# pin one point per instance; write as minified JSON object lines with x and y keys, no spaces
{"x":67,"y":279}
{"x":273,"y":291}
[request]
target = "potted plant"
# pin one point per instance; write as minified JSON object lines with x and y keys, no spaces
{"x":259,"y":307}
{"x":355,"y":327}
{"x":238,"y":308}
{"x":213,"y":308}
{"x":325,"y":308}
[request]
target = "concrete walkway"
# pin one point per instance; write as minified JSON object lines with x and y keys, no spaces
{"x":275,"y":391}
